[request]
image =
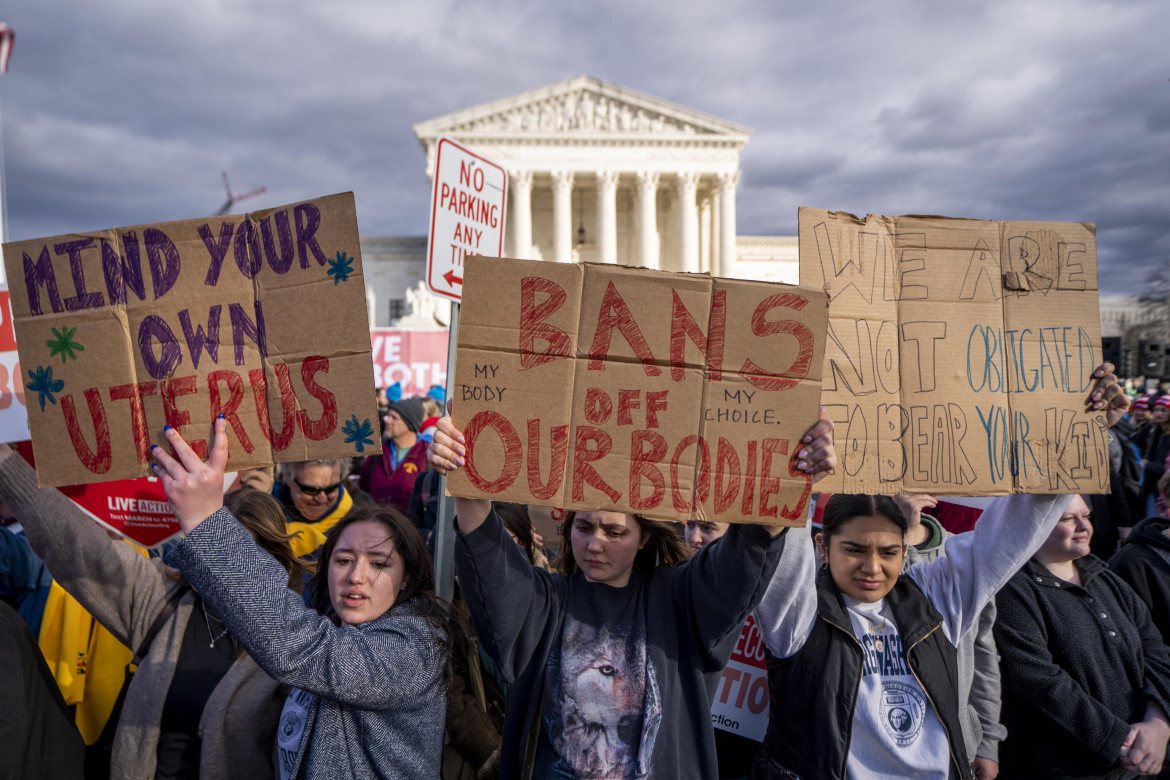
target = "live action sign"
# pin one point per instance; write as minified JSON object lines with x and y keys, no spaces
{"x":468,"y":203}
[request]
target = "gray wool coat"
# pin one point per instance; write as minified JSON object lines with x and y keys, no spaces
{"x":376,"y":701}
{"x":125,"y":592}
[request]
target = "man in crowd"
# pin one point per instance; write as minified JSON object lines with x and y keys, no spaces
{"x":389,"y":477}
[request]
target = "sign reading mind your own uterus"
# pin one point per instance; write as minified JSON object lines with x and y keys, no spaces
{"x":258,"y":317}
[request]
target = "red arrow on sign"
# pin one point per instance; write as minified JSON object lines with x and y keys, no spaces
{"x":452,"y":279}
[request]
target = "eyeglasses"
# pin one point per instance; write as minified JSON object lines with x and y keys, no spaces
{"x":312,"y":491}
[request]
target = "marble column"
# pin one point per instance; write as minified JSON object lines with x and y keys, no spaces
{"x":521,"y":185}
{"x":607,"y":215}
{"x":705,"y":234}
{"x":727,"y":184}
{"x":562,"y":185}
{"x":647,"y":219}
{"x":688,"y":218}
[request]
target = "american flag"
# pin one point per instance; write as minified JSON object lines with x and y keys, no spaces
{"x":7,"y":38}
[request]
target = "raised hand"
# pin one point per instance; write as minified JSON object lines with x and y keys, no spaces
{"x":194,"y":487}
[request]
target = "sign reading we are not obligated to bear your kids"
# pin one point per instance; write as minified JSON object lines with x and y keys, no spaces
{"x":259,"y":317}
{"x":960,"y":353}
{"x":604,"y":387}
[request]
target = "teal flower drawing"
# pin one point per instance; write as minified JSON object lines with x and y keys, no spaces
{"x":340,"y":268}
{"x":64,"y":344}
{"x":44,"y":385}
{"x":358,"y":434}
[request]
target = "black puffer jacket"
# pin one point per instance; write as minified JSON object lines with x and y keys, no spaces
{"x":820,"y":683}
{"x":1141,"y":565}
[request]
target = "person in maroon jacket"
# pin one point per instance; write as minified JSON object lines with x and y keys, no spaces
{"x":389,"y":477}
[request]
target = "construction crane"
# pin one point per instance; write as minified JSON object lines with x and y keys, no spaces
{"x":232,"y":200}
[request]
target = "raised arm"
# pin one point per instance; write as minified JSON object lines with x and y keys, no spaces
{"x":112,"y":580}
{"x":510,"y":600}
{"x":1009,"y":532}
{"x":725,"y":581}
{"x":388,"y":661}
{"x":788,"y":609}
{"x":447,"y":453}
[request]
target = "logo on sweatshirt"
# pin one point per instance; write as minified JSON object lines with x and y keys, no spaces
{"x":903,"y":710}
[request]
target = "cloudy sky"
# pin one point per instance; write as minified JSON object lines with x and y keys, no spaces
{"x":126,"y":111}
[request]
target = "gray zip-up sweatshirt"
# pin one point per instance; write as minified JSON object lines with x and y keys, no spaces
{"x":376,"y":704}
{"x":958,"y":585}
{"x":979,"y":691}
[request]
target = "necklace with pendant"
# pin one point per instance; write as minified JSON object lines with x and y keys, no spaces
{"x":878,"y":644}
{"x":207,"y":621}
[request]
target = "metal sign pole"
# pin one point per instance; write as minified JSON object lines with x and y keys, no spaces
{"x":444,"y":524}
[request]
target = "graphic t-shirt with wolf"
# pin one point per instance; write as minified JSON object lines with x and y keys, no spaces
{"x":602,"y":707}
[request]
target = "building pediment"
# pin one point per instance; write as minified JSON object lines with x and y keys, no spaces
{"x":586,"y":108}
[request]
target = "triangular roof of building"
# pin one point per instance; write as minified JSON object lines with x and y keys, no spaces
{"x":581,"y":107}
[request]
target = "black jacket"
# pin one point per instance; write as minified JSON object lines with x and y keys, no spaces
{"x":37,"y":735}
{"x":1079,"y":663}
{"x":819,"y":686}
{"x":1145,"y":570}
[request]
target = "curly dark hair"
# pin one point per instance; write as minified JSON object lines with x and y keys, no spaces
{"x":664,"y":546}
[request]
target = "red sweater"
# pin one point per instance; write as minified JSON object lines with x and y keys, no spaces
{"x":393,"y":486}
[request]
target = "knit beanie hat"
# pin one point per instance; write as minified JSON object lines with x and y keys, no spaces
{"x":1142,"y":402}
{"x":411,"y":411}
{"x":1163,"y":400}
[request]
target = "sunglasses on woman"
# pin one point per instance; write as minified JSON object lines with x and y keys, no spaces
{"x":312,"y":491}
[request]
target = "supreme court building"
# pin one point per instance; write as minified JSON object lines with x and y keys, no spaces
{"x":599,"y":173}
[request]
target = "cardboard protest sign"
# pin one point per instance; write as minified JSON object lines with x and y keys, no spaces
{"x":13,"y":417}
{"x":960,"y":353}
{"x":259,"y":317}
{"x":741,"y":700}
{"x":603,"y":387}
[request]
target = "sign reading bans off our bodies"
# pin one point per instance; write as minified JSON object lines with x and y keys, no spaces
{"x":259,"y":317}
{"x":603,"y":387}
{"x":960,"y":353}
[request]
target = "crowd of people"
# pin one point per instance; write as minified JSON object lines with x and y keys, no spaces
{"x":294,"y":629}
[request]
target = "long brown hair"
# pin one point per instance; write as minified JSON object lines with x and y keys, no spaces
{"x":416,"y":564}
{"x":663,"y":547}
{"x":263,"y":517}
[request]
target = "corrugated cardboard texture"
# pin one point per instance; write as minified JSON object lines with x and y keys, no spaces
{"x":605,"y":387}
{"x":261,"y":317}
{"x":960,"y":353}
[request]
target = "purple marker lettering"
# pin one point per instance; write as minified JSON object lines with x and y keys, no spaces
{"x":83,"y":299}
{"x":120,"y":273}
{"x":217,"y":249}
{"x":159,"y":250}
{"x":306,"y":231}
{"x":153,"y":328}
{"x":279,"y":263}
{"x":197,"y":340}
{"x":242,"y":326}
{"x":36,"y":274}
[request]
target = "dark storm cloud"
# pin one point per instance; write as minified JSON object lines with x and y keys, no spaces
{"x":126,"y":111}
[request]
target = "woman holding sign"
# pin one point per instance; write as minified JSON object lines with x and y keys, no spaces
{"x":367,"y":667}
{"x":196,"y":705}
{"x":865,"y":659}
{"x":612,"y":662}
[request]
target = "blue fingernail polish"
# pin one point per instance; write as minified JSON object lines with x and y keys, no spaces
{"x":154,"y":446}
{"x":221,"y":416}
{"x":166,"y":428}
